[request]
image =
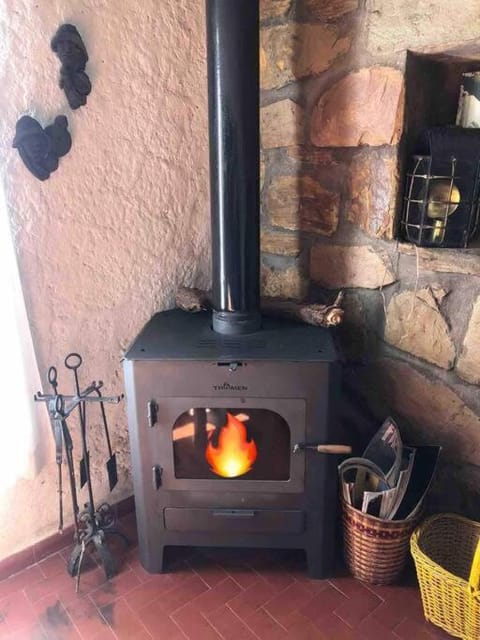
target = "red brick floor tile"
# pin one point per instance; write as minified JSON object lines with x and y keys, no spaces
{"x":41,"y":605}
{"x":323,"y":604}
{"x":53,"y":565}
{"x":410,"y":628}
{"x":265,"y":627}
{"x":179,"y":572}
{"x":106,"y":634}
{"x":300,"y":628}
{"x":125,"y":623}
{"x":64,"y":586}
{"x":242,"y":574}
{"x":250,"y":600}
{"x":56,"y":622}
{"x":436,"y":632}
{"x":276,"y":577}
{"x":210,"y":572}
{"x":149,"y":591}
{"x":177,"y":597}
{"x":301,"y":576}
{"x":358,"y":607}
{"x":193,"y":624}
{"x":390,"y":613}
{"x":287,"y":601}
{"x":407,"y":585}
{"x":230,"y":626}
{"x":20,"y":580}
{"x":115,"y":588}
{"x":216,"y":597}
{"x":4,"y":630}
{"x":87,"y":618}
{"x":133,"y":562}
{"x":16,"y":611}
{"x":332,"y":628}
{"x":33,"y":631}
{"x":350,"y":587}
{"x":160,"y":624}
{"x":89,"y":581}
{"x":370,"y":627}
{"x":45,"y":587}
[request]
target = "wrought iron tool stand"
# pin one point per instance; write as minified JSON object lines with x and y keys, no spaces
{"x":92,"y":525}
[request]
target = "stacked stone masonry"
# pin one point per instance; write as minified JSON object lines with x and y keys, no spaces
{"x":332,"y":126}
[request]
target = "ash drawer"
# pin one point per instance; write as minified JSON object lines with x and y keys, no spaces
{"x":234,"y":520}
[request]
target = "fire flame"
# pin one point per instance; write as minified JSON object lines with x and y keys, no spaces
{"x":235,"y":455}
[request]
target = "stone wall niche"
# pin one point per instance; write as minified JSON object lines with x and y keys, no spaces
{"x":432,"y":88}
{"x":432,"y":81}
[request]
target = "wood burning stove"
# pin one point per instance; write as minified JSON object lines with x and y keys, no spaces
{"x":218,"y":406}
{"x":213,"y":424}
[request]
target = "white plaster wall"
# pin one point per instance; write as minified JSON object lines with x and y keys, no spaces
{"x":106,"y":241}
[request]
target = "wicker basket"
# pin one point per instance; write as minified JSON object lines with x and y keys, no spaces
{"x":446,"y":551}
{"x":375,"y":550}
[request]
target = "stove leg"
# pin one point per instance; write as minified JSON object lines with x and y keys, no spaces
{"x":153,"y":562}
{"x":317,"y":565}
{"x":161,"y":560}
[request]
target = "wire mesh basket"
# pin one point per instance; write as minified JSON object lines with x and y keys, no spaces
{"x":441,"y":206}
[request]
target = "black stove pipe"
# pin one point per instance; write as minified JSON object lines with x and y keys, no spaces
{"x":233,"y":95}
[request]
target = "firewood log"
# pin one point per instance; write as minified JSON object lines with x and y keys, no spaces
{"x":322,"y":315}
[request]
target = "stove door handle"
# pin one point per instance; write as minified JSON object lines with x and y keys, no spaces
{"x":152,"y":413}
{"x":233,"y":513}
{"x":157,"y":472}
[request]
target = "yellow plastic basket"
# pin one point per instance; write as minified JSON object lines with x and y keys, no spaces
{"x":446,"y":551}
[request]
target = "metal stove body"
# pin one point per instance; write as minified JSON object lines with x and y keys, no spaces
{"x":283,"y":380}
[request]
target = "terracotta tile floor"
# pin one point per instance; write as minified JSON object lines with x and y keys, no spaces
{"x":208,"y":594}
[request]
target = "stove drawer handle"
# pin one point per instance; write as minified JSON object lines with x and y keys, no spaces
{"x":330,"y":449}
{"x":157,"y":472}
{"x":233,"y":513}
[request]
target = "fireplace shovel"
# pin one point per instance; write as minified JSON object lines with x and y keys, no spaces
{"x":112,"y":460}
{"x":73,"y":362}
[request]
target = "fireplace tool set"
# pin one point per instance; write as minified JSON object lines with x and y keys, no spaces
{"x":91,"y":525}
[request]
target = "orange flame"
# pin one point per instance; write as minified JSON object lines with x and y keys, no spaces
{"x":235,"y":455}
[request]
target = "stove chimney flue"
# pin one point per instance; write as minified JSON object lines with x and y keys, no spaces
{"x":233,"y":94}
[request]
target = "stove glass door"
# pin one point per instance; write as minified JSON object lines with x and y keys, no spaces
{"x":234,"y":442}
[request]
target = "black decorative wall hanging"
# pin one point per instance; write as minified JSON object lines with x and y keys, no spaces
{"x":41,"y":148}
{"x":68,"y":45}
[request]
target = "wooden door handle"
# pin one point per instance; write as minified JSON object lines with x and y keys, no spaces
{"x":334,"y":449}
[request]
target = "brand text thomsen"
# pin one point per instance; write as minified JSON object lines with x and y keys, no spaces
{"x":229,"y":387}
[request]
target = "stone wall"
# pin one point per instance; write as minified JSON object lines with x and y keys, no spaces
{"x":333,"y":101}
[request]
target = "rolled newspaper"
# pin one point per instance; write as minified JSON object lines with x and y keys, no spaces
{"x":468,"y":114}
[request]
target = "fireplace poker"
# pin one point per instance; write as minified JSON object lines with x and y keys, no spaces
{"x":57,"y":434}
{"x":73,"y":362}
{"x":67,"y":441}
